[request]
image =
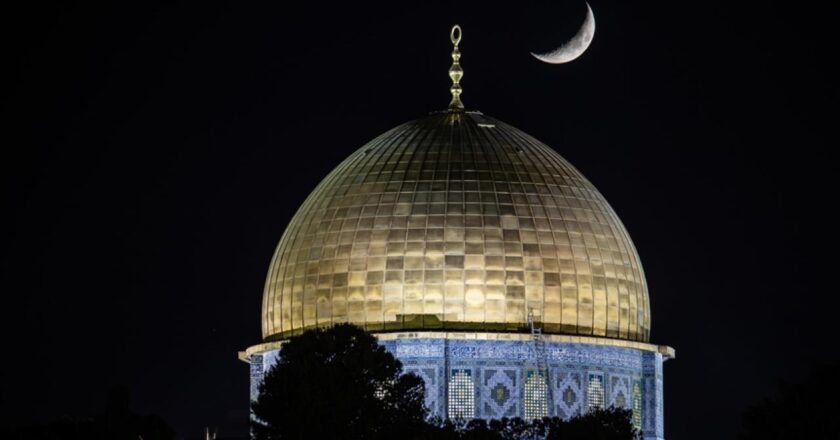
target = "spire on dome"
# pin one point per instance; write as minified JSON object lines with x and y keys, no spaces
{"x":455,"y":71}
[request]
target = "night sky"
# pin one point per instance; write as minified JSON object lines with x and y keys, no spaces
{"x":153,"y":154}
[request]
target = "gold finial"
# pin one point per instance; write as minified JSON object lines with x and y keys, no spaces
{"x":455,"y":72}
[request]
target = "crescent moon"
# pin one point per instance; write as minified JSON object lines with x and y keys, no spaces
{"x":574,"y":47}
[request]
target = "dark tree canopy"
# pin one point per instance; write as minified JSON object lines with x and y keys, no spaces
{"x":598,"y":424}
{"x":117,"y":422}
{"x":337,"y":383}
{"x":810,"y":410}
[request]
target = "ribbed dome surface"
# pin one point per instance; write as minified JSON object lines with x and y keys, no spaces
{"x":456,"y":221}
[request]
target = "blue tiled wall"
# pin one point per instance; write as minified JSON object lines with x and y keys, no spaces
{"x":498,"y":369}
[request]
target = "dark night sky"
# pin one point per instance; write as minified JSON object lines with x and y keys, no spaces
{"x":153,"y":154}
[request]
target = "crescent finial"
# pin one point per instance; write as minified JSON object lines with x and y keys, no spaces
{"x":455,"y":34}
{"x":455,"y":71}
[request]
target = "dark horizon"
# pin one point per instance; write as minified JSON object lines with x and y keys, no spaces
{"x":155,"y":154}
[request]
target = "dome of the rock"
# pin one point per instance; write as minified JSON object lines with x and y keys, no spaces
{"x":480,"y":259}
{"x":457,"y":221}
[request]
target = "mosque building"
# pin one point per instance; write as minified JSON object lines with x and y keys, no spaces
{"x":484,"y":261}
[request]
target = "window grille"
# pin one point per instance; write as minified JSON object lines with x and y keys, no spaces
{"x":461,"y":394}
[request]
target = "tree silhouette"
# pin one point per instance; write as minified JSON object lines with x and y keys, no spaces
{"x":117,"y":422}
{"x":597,"y":424}
{"x":803,"y":411}
{"x":338,"y":383}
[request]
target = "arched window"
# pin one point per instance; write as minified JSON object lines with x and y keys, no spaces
{"x":461,"y":394}
{"x":536,"y":394}
{"x":595,"y":391}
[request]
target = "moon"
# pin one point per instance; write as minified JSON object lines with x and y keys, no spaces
{"x":574,"y":47}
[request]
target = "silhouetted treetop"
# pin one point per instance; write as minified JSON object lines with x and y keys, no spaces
{"x":337,"y":383}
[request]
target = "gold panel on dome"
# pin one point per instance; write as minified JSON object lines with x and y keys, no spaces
{"x":456,"y":221}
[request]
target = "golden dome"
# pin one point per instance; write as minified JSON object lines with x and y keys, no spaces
{"x":456,"y":221}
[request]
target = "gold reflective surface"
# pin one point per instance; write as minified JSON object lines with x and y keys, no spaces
{"x":456,"y":221}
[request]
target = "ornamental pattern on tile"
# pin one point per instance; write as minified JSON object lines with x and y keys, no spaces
{"x":555,"y":352}
{"x":494,"y":379}
{"x":497,"y":369}
{"x":429,"y":376}
{"x":568,"y":394}
{"x":619,"y":391}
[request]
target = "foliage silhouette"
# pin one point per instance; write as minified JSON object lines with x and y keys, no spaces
{"x":117,"y":422}
{"x":338,"y":383}
{"x":598,"y":424}
{"x":801,"y":411}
